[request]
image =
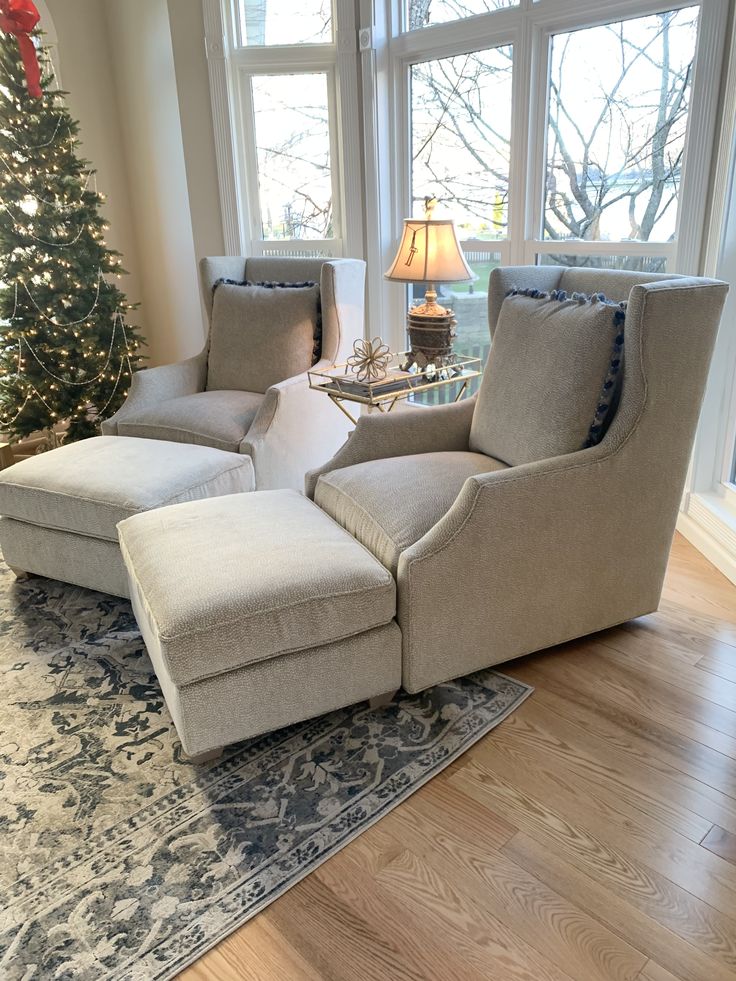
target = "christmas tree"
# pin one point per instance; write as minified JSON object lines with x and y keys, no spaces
{"x":66,"y":353}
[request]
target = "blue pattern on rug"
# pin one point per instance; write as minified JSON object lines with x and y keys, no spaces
{"x":121,"y":860}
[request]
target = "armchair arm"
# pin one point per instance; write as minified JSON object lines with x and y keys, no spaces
{"x":408,"y":429}
{"x":295,"y":429}
{"x":530,"y":557}
{"x":152,"y":385}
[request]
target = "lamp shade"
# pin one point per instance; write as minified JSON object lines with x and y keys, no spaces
{"x":429,"y":253}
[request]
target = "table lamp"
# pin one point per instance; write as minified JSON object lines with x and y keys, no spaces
{"x":430,"y":253}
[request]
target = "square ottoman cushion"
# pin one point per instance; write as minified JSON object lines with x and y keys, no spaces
{"x":60,"y":509}
{"x":258,"y":611}
{"x":232,"y":581}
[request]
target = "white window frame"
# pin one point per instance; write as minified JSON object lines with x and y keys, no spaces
{"x":708,"y":512}
{"x":231,"y":67}
{"x":387,"y":55}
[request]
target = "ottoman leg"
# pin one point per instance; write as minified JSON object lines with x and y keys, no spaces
{"x":211,"y":754}
{"x":381,"y":701}
{"x":20,"y":574}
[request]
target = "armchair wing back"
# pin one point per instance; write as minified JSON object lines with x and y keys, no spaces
{"x":528,"y":556}
{"x":538,"y":554}
{"x":286,"y":431}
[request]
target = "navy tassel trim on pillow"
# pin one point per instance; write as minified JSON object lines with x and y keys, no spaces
{"x":597,"y":427}
{"x":268,"y":285}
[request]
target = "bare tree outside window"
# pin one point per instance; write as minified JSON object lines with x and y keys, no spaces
{"x":619,"y":97}
{"x":461,"y":138}
{"x":618,"y":106}
{"x":292,"y":134}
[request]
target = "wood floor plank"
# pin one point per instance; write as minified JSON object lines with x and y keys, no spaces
{"x":678,"y":859}
{"x":480,"y":938}
{"x":335,"y":938}
{"x":655,"y":972}
{"x":722,"y":843}
{"x":620,"y":916}
{"x":556,"y":927}
{"x":658,"y":630}
{"x":645,"y":795}
{"x":659,"y":680}
{"x":634,"y":637}
{"x":718,"y":665}
{"x":349,"y":880}
{"x":635,"y":734}
{"x":630,"y":691}
{"x":681,"y":675}
{"x":489,"y":949}
{"x":673,"y":907}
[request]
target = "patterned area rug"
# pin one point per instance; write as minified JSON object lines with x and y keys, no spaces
{"x":118,"y":859}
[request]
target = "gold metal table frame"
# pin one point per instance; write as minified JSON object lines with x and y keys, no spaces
{"x":340,"y":384}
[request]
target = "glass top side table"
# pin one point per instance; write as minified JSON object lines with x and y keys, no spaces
{"x":340,"y":384}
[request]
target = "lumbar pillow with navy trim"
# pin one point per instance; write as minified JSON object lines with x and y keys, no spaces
{"x":551,"y":377}
{"x":261,"y":334}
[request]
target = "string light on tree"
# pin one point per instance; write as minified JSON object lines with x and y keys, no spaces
{"x":66,"y":353}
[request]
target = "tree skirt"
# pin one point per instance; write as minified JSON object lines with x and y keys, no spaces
{"x":118,"y":859}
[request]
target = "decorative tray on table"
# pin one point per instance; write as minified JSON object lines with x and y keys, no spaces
{"x":401,"y":380}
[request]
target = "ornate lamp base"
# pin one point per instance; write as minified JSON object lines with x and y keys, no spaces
{"x":430,"y":338}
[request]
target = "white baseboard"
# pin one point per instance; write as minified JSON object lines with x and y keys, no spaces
{"x":711,"y":536}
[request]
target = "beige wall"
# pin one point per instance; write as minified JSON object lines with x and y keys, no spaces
{"x":136,"y":73}
{"x":143,"y":70}
{"x":195,"y":110}
{"x":84,"y":63}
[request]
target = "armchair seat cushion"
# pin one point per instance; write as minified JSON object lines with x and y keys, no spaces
{"x":219,"y":419}
{"x":390,"y":504}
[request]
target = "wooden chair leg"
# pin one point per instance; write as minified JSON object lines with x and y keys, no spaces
{"x":211,"y":754}
{"x":381,"y":701}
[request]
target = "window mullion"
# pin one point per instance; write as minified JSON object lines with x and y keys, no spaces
{"x":249,"y":160}
{"x":273,"y":60}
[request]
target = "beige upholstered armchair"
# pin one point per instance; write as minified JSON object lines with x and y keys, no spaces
{"x":495,"y":561}
{"x":285,"y":429}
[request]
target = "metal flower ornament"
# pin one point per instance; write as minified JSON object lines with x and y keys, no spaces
{"x":369,"y":362}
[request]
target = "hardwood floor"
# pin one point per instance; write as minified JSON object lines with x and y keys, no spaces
{"x":591,"y":836}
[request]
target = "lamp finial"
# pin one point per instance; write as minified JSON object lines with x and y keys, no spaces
{"x":430,"y":203}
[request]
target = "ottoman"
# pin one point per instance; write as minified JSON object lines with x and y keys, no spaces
{"x":258,"y":611}
{"x":60,"y":508}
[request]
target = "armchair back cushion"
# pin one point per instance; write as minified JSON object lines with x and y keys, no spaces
{"x":544,"y":381}
{"x":260,"y":336}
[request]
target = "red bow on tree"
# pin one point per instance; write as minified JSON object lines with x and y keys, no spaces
{"x":19,"y":17}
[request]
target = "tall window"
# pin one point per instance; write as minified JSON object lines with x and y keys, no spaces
{"x":292,"y":136}
{"x":461,"y":145}
{"x":552,"y":133}
{"x":619,"y":97}
{"x":292,"y":97}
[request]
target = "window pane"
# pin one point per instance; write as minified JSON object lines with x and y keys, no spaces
{"x":470,"y":303}
{"x":618,"y":107}
{"x":293,"y":146}
{"x":273,"y":22}
{"x":633,"y":263}
{"x":461,"y":132}
{"x":422,"y":13}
